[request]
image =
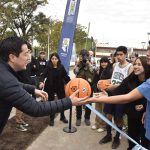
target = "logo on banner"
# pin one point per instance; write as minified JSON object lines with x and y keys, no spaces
{"x":67,"y":32}
{"x":72,"y":7}
{"x":65,"y":44}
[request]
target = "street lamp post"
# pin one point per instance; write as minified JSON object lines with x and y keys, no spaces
{"x":48,"y":42}
{"x":148,"y":38}
{"x":143,"y":44}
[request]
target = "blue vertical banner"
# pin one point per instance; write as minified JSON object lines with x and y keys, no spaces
{"x":67,"y":32}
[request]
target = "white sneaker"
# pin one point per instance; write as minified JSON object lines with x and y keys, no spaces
{"x":21,"y":128}
{"x":124,"y":127}
{"x":100,"y":130}
{"x":25,"y":124}
{"x":94,"y":127}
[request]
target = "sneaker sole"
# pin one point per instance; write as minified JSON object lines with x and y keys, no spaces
{"x":22,"y":130}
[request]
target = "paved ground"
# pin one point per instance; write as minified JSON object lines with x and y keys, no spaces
{"x":54,"y":138}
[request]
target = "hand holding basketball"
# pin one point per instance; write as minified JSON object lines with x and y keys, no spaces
{"x":103,"y":84}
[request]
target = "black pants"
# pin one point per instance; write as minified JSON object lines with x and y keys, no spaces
{"x":136,"y":131}
{"x":51,"y":97}
{"x":87,"y":111}
{"x":148,"y":145}
{"x":79,"y":112}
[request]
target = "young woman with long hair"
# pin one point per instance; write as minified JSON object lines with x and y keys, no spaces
{"x":56,"y":78}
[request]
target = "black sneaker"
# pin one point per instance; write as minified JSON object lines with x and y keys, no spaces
{"x":87,"y":122}
{"x":64,"y":120}
{"x":115,"y":143}
{"x":105,"y":139}
{"x":78,"y":122}
{"x":51,"y":123}
{"x":20,"y":127}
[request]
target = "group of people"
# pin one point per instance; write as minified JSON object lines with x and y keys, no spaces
{"x":48,"y":75}
{"x":136,"y":96}
{"x":128,"y":78}
{"x":123,"y":76}
{"x":30,"y":76}
{"x":121,"y":69}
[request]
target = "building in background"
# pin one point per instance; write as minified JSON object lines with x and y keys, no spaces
{"x":107,"y":51}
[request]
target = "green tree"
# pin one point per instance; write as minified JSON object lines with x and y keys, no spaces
{"x":40,"y":30}
{"x":55,"y":35}
{"x":4,"y":23}
{"x":80,"y":37}
{"x":19,"y":16}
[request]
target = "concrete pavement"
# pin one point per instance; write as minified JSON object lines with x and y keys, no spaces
{"x":54,"y":138}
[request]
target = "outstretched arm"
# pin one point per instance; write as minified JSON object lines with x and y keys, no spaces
{"x":120,"y":99}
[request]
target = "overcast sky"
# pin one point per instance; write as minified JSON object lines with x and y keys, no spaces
{"x":119,"y":22}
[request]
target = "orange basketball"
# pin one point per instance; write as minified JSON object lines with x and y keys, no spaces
{"x":78,"y":83}
{"x":103,"y":84}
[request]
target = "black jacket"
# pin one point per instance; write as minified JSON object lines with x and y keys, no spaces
{"x":41,"y":63}
{"x":34,"y":67}
{"x":24,"y":76}
{"x":51,"y":84}
{"x":15,"y":94}
{"x":128,"y":84}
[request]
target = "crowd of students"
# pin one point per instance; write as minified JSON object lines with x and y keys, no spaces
{"x":123,"y":76}
{"x":136,"y":95}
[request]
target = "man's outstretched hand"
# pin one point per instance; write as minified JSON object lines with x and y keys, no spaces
{"x":42,"y":94}
{"x":77,"y":101}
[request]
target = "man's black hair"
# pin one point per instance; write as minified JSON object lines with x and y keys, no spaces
{"x":29,"y":46}
{"x":11,"y":45}
{"x":122,"y":49}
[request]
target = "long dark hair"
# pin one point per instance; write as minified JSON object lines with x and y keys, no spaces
{"x":145,"y":66}
{"x":50,"y":62}
{"x":104,"y":59}
{"x":132,"y":79}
